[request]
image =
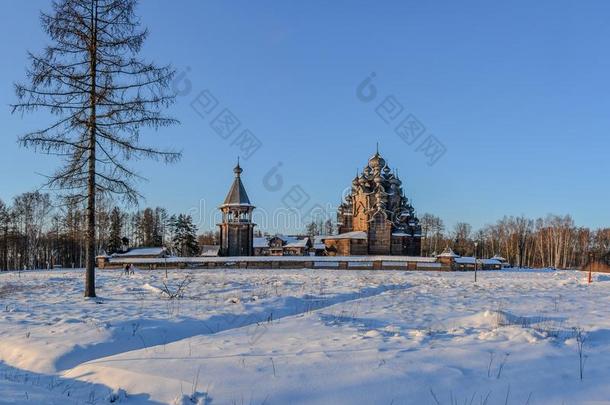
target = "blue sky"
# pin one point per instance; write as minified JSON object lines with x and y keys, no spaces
{"x":516,"y":93}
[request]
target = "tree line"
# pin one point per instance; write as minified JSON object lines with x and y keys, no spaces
{"x":552,"y":241}
{"x":37,"y":232}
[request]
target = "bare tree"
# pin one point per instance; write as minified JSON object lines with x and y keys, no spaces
{"x":102,"y":96}
{"x":521,"y":229}
{"x":426,"y":221}
{"x":461,"y":234}
{"x":31,"y":214}
{"x":5,"y":221}
{"x":432,"y":233}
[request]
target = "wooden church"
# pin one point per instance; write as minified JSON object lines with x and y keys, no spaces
{"x":376,"y":218}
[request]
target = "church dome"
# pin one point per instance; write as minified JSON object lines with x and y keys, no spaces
{"x":377,"y":162}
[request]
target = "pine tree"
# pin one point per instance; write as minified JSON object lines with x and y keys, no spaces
{"x":102,"y":96}
{"x":148,"y":227}
{"x":184,"y":238}
{"x":312,"y":229}
{"x":116,"y":231}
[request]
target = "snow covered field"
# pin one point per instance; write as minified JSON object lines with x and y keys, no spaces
{"x":306,"y":336}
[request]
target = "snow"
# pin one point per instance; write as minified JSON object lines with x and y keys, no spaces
{"x":498,"y":258}
{"x":489,"y":261}
{"x":289,"y":241}
{"x":210,"y":250}
{"x":304,"y":337}
{"x":349,"y":235}
{"x":297,"y":243}
{"x":147,"y":251}
{"x":448,"y":252}
{"x":318,"y":242}
{"x":261,"y":242}
{"x":472,"y":260}
{"x":236,"y":259}
{"x":465,"y":260}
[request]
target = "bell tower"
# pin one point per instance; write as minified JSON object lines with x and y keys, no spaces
{"x":236,"y":228}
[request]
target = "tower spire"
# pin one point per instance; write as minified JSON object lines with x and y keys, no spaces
{"x":237,"y":170}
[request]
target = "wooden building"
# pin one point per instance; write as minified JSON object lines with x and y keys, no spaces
{"x":210,"y":250}
{"x":353,"y":243}
{"x":503,"y":261}
{"x":133,"y":253}
{"x":236,"y":228}
{"x":449,"y":258}
{"x":378,"y":207}
{"x":282,"y":245}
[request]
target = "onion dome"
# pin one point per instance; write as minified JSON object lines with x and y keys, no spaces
{"x":376,"y":162}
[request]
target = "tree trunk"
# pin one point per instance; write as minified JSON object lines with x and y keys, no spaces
{"x":90,"y":250}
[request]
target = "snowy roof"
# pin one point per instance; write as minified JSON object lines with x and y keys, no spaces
{"x":472,"y":260}
{"x":490,"y":261}
{"x":293,"y":241}
{"x":400,"y":234}
{"x":499,"y":258}
{"x":320,"y":238}
{"x":349,"y":235}
{"x":297,"y":243}
{"x":260,"y":242}
{"x":448,"y":252}
{"x":210,"y":250}
{"x":146,"y":251}
{"x":289,"y":241}
{"x":318,"y":242}
{"x":285,"y":238}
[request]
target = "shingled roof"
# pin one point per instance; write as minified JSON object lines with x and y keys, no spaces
{"x":237,"y":193}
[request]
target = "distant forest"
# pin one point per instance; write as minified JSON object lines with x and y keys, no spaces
{"x":37,"y":232}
